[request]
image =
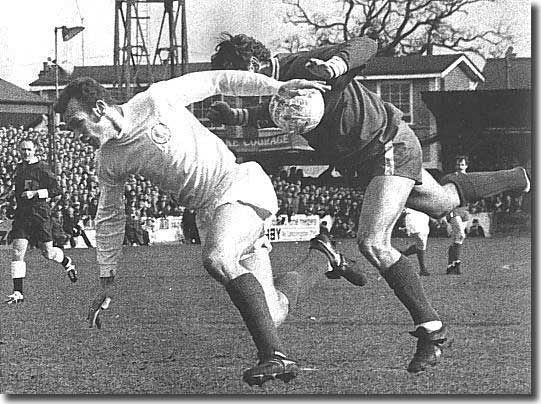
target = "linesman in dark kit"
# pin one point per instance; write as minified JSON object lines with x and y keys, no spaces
{"x":34,"y":185}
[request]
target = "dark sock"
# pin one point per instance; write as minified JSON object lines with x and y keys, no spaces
{"x":412,"y":249}
{"x":65,"y":261}
{"x":248,"y":296}
{"x":474,"y":186}
{"x":421,"y":258}
{"x":454,"y":253}
{"x":406,"y":284}
{"x":18,"y":285}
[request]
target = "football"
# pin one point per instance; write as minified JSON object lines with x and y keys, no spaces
{"x":298,"y":113}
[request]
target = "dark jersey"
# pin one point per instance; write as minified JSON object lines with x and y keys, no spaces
{"x":354,"y":116}
{"x":31,"y":177}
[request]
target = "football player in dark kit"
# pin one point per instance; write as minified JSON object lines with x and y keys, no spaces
{"x":361,"y":131}
{"x":458,"y":220}
{"x":34,"y":184}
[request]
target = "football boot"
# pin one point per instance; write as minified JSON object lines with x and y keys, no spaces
{"x":277,"y":367}
{"x":429,"y":348}
{"x":341,"y":266}
{"x":70,"y":270}
{"x":14,"y":298}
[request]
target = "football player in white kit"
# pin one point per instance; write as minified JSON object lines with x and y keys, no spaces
{"x":156,"y":136}
{"x":417,"y":227}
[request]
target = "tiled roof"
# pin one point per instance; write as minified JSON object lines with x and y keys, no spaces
{"x":108,"y":74}
{"x":12,"y":93}
{"x":403,"y":65}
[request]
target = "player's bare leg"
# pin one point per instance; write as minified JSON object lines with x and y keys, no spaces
{"x":18,"y":270}
{"x":420,"y":240}
{"x":258,"y":263}
{"x":57,"y":254}
{"x":458,"y":235}
{"x":383,"y":204}
{"x":418,"y":248}
{"x":458,"y":189}
{"x":231,"y":234}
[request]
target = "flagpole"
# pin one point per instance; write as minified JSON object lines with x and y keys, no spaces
{"x":56,"y":61}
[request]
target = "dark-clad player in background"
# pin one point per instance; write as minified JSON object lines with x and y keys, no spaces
{"x":458,"y":219}
{"x":34,"y":184}
{"x":361,"y":131}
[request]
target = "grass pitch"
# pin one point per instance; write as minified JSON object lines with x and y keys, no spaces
{"x":171,"y":329}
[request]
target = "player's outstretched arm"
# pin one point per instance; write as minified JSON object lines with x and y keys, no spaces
{"x":110,"y":226}
{"x":328,"y":62}
{"x":220,"y":113}
{"x":198,"y":86}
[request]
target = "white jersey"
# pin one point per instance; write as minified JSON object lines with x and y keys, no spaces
{"x":164,"y":142}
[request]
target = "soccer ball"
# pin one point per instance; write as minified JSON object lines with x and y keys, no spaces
{"x":298,"y":113}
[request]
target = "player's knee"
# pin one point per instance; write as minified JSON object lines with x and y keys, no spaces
{"x":17,"y":253}
{"x":214,"y":263}
{"x":372,"y":249}
{"x":459,"y":238}
{"x":48,"y":253}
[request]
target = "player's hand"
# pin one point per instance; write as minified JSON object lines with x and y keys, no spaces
{"x":221,"y":113}
{"x":293,"y":87}
{"x":100,"y":303}
{"x":29,"y":194}
{"x":319,"y":68}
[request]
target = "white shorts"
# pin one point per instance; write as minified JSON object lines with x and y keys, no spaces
{"x":417,"y":222}
{"x":250,"y":185}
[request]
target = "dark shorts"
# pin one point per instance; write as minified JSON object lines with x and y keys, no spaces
{"x":34,"y":225}
{"x":400,"y":157}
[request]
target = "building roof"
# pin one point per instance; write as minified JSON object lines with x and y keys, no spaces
{"x":420,"y":66}
{"x":10,"y":93}
{"x":520,"y":74}
{"x":377,"y":68}
{"x":107,"y":74}
{"x":20,"y":107}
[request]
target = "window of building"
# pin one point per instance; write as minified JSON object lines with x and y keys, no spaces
{"x":400,"y":95}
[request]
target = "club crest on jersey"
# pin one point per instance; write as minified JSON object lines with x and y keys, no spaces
{"x":160,"y":134}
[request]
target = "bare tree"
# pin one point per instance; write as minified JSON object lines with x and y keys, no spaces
{"x":401,"y":27}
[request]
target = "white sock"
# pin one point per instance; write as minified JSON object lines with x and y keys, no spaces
{"x":58,"y":255}
{"x":18,"y":269}
{"x":431,"y":326}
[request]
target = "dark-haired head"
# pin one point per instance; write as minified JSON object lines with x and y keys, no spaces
{"x":461,"y":163}
{"x":460,"y":157}
{"x":89,"y":111}
{"x":86,"y":90}
{"x":239,"y":52}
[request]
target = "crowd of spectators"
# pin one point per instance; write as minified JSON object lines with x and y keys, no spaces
{"x":339,"y":206}
{"x":75,"y":209}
